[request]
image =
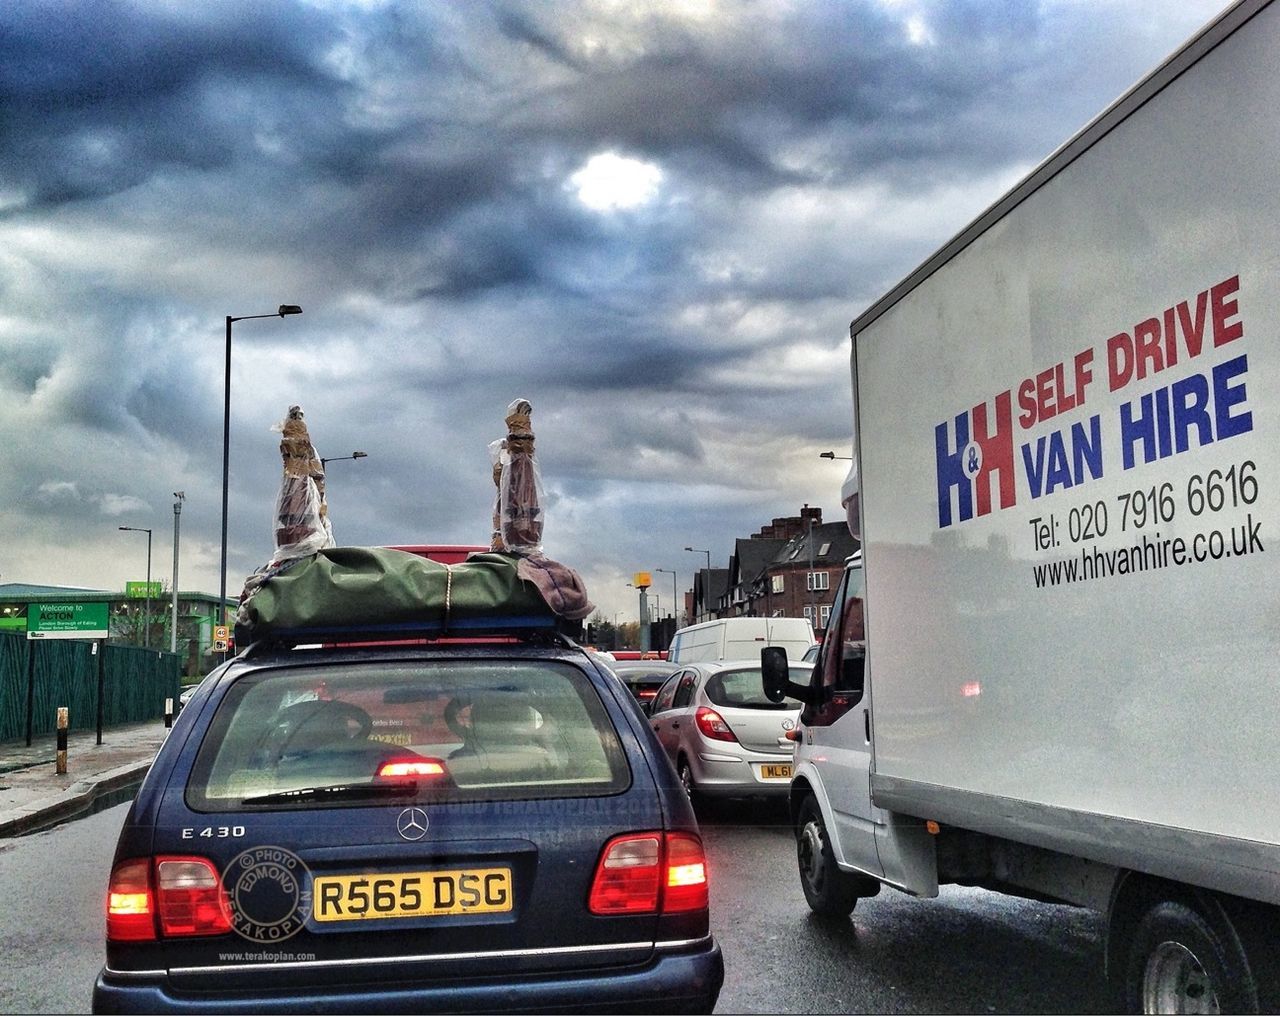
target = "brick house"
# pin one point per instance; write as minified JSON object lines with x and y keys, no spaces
{"x":801,"y":579}
{"x":789,"y":569}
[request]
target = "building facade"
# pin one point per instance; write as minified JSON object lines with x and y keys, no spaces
{"x":129,"y":621}
{"x":789,"y":569}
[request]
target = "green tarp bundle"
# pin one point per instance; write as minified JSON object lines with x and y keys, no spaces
{"x":375,"y":589}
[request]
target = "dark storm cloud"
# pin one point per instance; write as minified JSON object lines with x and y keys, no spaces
{"x":100,"y":96}
{"x":22,"y":368}
{"x":719,"y":111}
{"x":737,"y":97}
{"x":97,"y":97}
{"x":104,"y":96}
{"x":994,"y":81}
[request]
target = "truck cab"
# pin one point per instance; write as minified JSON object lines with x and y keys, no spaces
{"x":846,"y":846}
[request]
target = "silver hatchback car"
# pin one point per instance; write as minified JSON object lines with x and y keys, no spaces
{"x":721,"y":733}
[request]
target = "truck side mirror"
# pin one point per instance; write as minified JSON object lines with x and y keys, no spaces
{"x":774,"y":673}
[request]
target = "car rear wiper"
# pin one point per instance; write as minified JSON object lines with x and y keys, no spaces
{"x":337,"y":792}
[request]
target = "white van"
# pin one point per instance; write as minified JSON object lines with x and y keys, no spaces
{"x":740,"y":638}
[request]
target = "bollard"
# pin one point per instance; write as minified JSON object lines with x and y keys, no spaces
{"x":168,"y":713}
{"x":61,"y":766}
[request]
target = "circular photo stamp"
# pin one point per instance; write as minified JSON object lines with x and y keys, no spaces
{"x":268,"y":891}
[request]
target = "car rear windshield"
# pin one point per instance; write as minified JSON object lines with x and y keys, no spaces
{"x":744,"y":689}
{"x":461,"y":730}
{"x":633,"y":674}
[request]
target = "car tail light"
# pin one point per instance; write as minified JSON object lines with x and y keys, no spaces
{"x":686,"y":887}
{"x":627,"y":878}
{"x":712,"y":725}
{"x":184,"y":893}
{"x":411,"y":769}
{"x":644,"y":873}
{"x":130,"y":904}
{"x":189,"y":897}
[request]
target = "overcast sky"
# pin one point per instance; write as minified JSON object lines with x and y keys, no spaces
{"x":655,"y":221}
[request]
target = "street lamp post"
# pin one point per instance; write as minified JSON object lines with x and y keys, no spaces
{"x":179,"y":497}
{"x":284,"y":309}
{"x":644,"y":615}
{"x":338,"y":458}
{"x":146,"y":626}
{"x":675,"y":607}
{"x":695,"y":550}
{"x":644,"y":618}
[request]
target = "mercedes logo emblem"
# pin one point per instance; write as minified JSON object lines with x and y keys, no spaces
{"x":412,"y":823}
{"x":788,"y":724}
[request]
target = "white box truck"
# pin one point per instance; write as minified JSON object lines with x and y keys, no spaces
{"x":1067,"y":454}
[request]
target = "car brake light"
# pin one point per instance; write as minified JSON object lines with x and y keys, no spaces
{"x":399,"y":769}
{"x":646,"y":872}
{"x":189,"y":897}
{"x":686,"y":874}
{"x":712,"y":725}
{"x":130,"y":914}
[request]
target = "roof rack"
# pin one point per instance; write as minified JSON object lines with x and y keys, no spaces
{"x":527,"y":628}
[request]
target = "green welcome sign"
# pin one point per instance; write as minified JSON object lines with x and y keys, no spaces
{"x":143,"y":590}
{"x":67,"y":621}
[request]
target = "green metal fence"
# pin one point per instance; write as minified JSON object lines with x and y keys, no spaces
{"x":53,"y":673}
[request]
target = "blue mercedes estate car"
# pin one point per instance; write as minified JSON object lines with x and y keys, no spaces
{"x":483,"y":823}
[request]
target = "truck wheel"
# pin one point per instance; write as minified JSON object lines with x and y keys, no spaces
{"x":829,"y":891}
{"x":1180,"y":962}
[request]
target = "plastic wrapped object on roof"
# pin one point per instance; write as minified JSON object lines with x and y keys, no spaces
{"x":520,"y":494}
{"x":302,"y":524}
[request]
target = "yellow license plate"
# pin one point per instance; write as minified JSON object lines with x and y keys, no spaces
{"x":775,"y":772}
{"x":411,"y":894}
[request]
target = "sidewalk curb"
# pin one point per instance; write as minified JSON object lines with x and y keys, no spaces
{"x":77,"y":798}
{"x":18,"y":767}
